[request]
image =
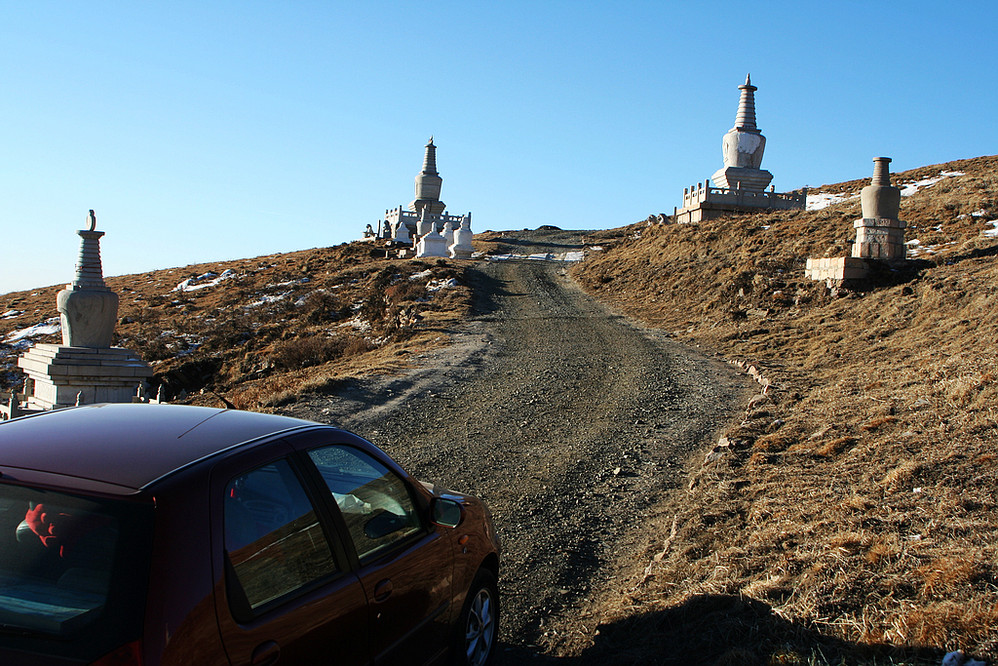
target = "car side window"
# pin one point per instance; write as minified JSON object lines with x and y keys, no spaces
{"x":272,"y":536}
{"x":375,"y":502}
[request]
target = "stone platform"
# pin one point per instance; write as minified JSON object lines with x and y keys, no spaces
{"x":835,"y":270}
{"x":59,"y":373}
{"x":705,"y":202}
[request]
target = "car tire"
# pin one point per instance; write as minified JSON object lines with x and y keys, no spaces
{"x":478,"y":627}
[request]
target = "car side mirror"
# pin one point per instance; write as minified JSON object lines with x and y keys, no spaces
{"x":446,"y":512}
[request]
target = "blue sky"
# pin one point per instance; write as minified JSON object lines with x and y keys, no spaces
{"x":203,"y":131}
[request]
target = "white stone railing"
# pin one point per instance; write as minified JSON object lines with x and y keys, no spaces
{"x":704,"y":192}
{"x":411,"y":219}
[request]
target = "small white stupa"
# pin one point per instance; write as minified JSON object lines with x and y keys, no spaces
{"x":462,"y":248}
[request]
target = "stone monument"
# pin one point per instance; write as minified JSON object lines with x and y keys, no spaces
{"x":426,"y":212}
{"x":428,"y":184}
{"x":461,"y":247}
{"x":740,"y":185}
{"x":431,"y":244}
{"x":85,"y":368}
{"x":879,"y":234}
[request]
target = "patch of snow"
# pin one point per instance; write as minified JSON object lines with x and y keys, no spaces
{"x":437,"y":285}
{"x":358,"y":324}
{"x":821,"y":200}
{"x":266,"y":300}
{"x":47,"y":327}
{"x":575,"y":255}
{"x":913,"y":241}
{"x":911,"y":188}
{"x":596,"y":248}
{"x":422,"y":275}
{"x":10,"y":314}
{"x":978,"y":213}
{"x":289,"y":283}
{"x":993,"y":232}
{"x":205,"y":280}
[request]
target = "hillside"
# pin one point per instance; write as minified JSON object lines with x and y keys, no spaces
{"x":854,"y":502}
{"x":858,"y":494}
{"x":258,"y":332}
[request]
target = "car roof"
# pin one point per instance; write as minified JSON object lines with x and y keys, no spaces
{"x":127,"y":445}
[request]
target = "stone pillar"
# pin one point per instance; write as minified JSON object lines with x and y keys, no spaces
{"x":880,"y":234}
{"x":87,"y":307}
{"x":428,"y":184}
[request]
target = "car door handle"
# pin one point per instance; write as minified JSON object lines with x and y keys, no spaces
{"x":383,"y":590}
{"x":266,"y":654}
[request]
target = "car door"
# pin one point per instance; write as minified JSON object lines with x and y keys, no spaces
{"x":285,"y":590}
{"x":404,"y":563}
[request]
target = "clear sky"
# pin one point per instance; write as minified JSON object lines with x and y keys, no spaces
{"x":203,"y":131}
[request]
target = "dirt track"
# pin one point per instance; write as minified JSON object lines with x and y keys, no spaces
{"x":571,"y":423}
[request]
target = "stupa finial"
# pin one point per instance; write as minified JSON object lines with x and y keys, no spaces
{"x":92,"y":218}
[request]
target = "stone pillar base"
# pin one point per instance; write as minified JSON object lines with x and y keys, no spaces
{"x":880,"y":238}
{"x":60,"y":373}
{"x":833,"y":270}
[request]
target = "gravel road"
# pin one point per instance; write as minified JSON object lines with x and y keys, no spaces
{"x":570,"y":421}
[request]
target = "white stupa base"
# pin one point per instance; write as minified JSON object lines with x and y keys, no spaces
{"x":60,"y":374}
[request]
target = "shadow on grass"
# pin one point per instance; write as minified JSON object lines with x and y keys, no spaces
{"x":720,"y":629}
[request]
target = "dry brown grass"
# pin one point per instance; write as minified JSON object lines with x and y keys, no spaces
{"x":862,"y":505}
{"x":284,"y":324}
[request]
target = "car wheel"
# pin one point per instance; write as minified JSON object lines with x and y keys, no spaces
{"x":478,"y":627}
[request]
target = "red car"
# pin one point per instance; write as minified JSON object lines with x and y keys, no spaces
{"x":159,"y":534}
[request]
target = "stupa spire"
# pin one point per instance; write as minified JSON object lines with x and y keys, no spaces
{"x":745,"y":120}
{"x":430,"y":159}
{"x":89,"y":272}
{"x":428,"y":184}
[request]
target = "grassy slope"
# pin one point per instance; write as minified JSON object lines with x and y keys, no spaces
{"x":283,"y":324}
{"x":858,"y":496}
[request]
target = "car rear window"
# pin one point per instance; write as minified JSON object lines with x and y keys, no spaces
{"x":69,"y":564}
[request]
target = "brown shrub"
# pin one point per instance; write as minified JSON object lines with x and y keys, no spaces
{"x":307,"y":351}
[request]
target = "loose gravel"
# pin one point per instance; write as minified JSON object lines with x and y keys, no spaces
{"x":570,"y":421}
